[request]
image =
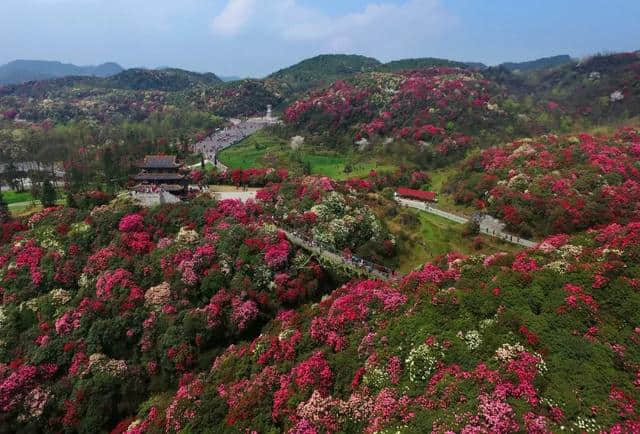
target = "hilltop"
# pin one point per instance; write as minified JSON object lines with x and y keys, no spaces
{"x":420,"y":63}
{"x":542,"y":63}
{"x":168,"y":79}
{"x":322,"y":70}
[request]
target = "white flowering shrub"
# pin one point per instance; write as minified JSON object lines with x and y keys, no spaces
{"x":296,"y":142}
{"x":375,"y":377}
{"x":472,"y":339}
{"x":187,"y":236}
{"x":616,"y":96}
{"x":79,"y":230}
{"x":422,"y":361}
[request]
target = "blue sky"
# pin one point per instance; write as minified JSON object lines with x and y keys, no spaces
{"x":256,"y":37}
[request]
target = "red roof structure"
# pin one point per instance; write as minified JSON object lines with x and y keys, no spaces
{"x":409,"y":193}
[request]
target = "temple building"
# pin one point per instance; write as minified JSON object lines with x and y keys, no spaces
{"x":161,"y":173}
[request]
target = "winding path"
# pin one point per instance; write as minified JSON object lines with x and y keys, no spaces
{"x":360,"y":265}
{"x":227,"y":137}
{"x":355,"y":263}
{"x":488,"y":225}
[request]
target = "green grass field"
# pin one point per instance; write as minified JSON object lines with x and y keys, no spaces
{"x":23,"y":209}
{"x":16,"y":197}
{"x":333,"y":166}
{"x":435,"y":236}
{"x":253,"y":151}
{"x":262,"y":149}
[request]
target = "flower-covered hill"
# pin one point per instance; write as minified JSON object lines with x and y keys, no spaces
{"x":101,"y":310}
{"x":134,"y":95}
{"x":237,"y":98}
{"x":597,"y":89}
{"x":332,"y":215}
{"x":556,"y":184}
{"x":440,"y":108}
{"x":541,"y":341}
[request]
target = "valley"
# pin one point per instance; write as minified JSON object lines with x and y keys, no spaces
{"x":421,"y":245}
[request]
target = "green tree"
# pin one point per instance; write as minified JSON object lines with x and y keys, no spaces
{"x":71,"y":200}
{"x":13,"y":177}
{"x":48,"y":197}
{"x":109,"y":167}
{"x":5,"y":216}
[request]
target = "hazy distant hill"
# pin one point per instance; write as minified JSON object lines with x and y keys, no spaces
{"x":322,"y":70}
{"x":534,"y":65}
{"x":228,"y":78}
{"x":21,"y":71}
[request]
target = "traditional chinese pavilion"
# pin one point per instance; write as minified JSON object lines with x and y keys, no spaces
{"x":161,"y":173}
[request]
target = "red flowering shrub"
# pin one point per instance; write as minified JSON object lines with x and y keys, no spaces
{"x":249,"y":177}
{"x":146,"y":294}
{"x":442,"y":348}
{"x":131,"y":223}
{"x":556,"y":184}
{"x":437,"y":106}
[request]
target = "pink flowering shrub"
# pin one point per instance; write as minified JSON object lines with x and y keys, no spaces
{"x":277,"y":254}
{"x":115,"y":300}
{"x":357,"y":361}
{"x":131,"y":223}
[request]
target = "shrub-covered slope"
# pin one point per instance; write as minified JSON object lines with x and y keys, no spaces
{"x":322,"y":70}
{"x":199,"y":317}
{"x":556,"y":184}
{"x":597,"y":89}
{"x":542,"y":341}
{"x":440,"y":108}
{"x":102,"y":310}
{"x":99,"y":311}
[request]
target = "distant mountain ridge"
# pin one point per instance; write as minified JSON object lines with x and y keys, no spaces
{"x":22,"y":71}
{"x":228,"y":78}
{"x":551,"y":78}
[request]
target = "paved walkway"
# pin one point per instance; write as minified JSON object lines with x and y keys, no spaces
{"x":488,"y":225}
{"x":150,"y":199}
{"x":238,"y":195}
{"x":360,"y":265}
{"x":227,"y":137}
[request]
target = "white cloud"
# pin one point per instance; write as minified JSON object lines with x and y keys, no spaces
{"x":234,"y":16}
{"x":383,"y":29}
